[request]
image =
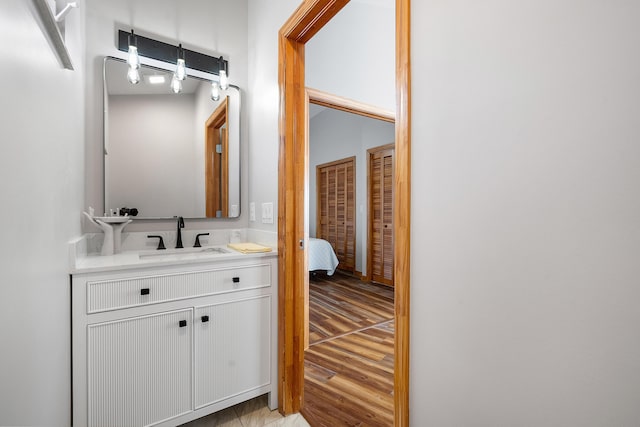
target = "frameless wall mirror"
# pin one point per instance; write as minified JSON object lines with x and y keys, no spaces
{"x":168,"y":154}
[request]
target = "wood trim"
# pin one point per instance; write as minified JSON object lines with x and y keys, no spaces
{"x":224,"y":172}
{"x":337,"y":162}
{"x":390,"y":146}
{"x":336,"y":102}
{"x":293,"y":154}
{"x":305,"y":22}
{"x":290,"y":227}
{"x":215,"y":198}
{"x":309,"y":18}
{"x":402,"y":210}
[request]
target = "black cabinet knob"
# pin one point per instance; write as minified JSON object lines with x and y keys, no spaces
{"x":144,"y":291}
{"x":182,"y":323}
{"x":205,"y":319}
{"x":236,"y":280}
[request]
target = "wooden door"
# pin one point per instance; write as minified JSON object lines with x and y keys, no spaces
{"x":335,"y":221}
{"x":380,"y":235}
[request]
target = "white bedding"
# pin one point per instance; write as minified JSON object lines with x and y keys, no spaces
{"x":322,"y":256}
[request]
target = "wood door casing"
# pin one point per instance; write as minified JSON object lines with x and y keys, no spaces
{"x":301,"y":26}
{"x":380,"y":227}
{"x":336,"y":200}
{"x":216,"y":167}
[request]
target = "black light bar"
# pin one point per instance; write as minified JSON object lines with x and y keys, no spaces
{"x":165,"y":52}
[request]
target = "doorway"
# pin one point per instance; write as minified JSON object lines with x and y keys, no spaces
{"x":349,"y":360}
{"x":306,"y":21}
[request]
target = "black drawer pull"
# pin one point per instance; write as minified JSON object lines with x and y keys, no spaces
{"x":182,"y":323}
{"x":144,"y":291}
{"x":205,"y":319}
{"x":236,"y":280}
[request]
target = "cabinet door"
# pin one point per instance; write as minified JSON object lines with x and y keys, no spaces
{"x":139,"y":369}
{"x":232,"y":348}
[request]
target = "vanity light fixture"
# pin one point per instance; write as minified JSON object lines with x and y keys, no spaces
{"x":133,"y":75}
{"x":224,"y":79}
{"x":181,"y":72}
{"x":215,"y":91}
{"x":176,"y":84}
{"x":137,"y":46}
{"x":133,"y":60}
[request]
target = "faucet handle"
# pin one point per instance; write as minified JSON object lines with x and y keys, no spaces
{"x":160,"y":241}
{"x":197,"y":243}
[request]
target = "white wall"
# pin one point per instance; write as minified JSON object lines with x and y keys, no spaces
{"x":41,"y":162}
{"x":335,"y":135}
{"x":216,"y":27}
{"x":265,"y":19}
{"x":525,"y":210}
{"x":354,"y":54}
{"x":161,"y":130}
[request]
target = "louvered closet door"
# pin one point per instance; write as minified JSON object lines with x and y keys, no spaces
{"x":336,"y":209}
{"x":139,"y":369}
{"x":381,"y":215}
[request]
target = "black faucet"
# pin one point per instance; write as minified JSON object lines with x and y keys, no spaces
{"x":179,"y":238}
{"x":197,"y":242}
{"x":160,"y":241}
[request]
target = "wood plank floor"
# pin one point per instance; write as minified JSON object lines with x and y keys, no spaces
{"x":349,"y":366}
{"x":340,"y":304}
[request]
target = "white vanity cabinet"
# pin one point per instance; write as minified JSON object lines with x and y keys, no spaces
{"x":139,"y":369}
{"x":229,"y":342}
{"x":168,"y":344}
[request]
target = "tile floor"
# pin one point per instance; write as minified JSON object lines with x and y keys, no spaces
{"x":252,"y":413}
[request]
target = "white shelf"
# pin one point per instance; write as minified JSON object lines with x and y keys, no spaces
{"x":49,"y":26}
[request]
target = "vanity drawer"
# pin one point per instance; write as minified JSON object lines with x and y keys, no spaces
{"x":113,"y":294}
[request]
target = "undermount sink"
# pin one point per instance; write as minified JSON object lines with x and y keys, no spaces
{"x":178,"y":254}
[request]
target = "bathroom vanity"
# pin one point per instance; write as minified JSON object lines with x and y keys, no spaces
{"x":165,"y":338}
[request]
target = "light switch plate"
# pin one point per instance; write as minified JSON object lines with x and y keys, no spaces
{"x":267,"y":213}
{"x":252,"y":211}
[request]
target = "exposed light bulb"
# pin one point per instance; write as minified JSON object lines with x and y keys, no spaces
{"x":133,"y":75}
{"x":181,"y":72}
{"x":215,"y":91}
{"x":133,"y":59}
{"x":224,"y":80}
{"x":176,"y":85}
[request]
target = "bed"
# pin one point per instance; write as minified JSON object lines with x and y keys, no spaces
{"x":322,"y":256}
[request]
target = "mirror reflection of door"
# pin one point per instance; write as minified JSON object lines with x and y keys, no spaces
{"x":216,"y":169}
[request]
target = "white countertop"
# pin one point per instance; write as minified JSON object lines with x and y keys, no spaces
{"x":155,"y":258}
